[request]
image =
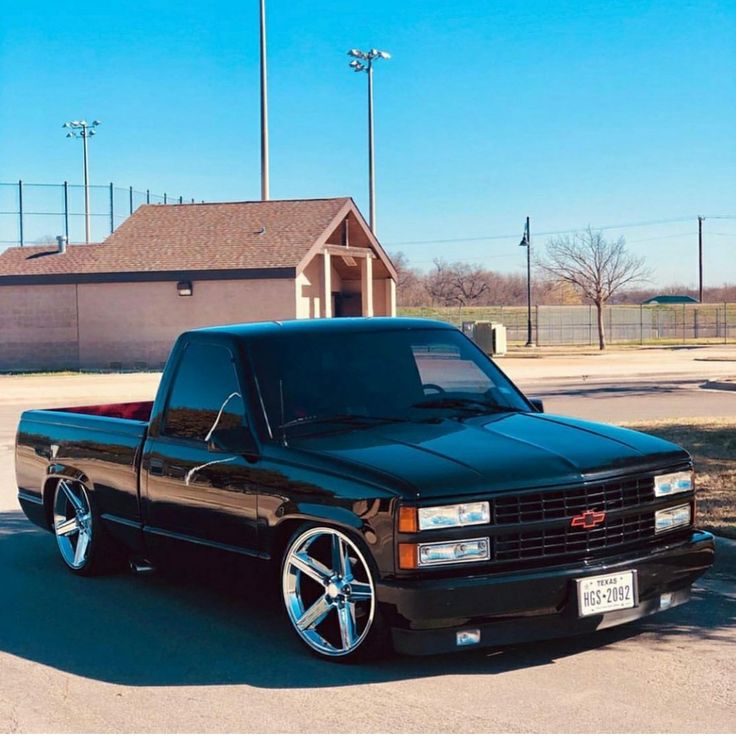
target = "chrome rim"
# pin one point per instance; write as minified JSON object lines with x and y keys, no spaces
{"x":328,"y":592}
{"x":73,"y":523}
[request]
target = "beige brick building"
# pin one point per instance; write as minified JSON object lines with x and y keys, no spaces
{"x":121,"y":303}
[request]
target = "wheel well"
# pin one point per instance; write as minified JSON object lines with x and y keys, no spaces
{"x":281,"y":536}
{"x":285,"y":530}
{"x":48,"y":500}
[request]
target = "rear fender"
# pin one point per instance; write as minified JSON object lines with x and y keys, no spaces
{"x":54,"y":473}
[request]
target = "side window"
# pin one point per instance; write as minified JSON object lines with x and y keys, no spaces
{"x":205,"y":393}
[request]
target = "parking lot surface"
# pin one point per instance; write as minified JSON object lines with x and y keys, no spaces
{"x":177,"y":652}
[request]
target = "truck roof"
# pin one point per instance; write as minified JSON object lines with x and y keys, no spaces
{"x":342,"y":324}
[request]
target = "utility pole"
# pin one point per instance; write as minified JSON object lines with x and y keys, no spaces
{"x":84,"y":130}
{"x":264,"y":108}
{"x":700,"y":258}
{"x":363,"y":62}
{"x":526,"y":242}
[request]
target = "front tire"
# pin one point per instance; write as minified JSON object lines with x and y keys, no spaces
{"x":78,"y":531}
{"x":329,"y":595}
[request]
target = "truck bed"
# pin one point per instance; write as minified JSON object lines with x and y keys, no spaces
{"x":101,"y":443}
{"x":139,"y":411}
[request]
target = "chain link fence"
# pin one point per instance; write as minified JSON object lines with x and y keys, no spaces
{"x":33,"y":214}
{"x":624,"y":324}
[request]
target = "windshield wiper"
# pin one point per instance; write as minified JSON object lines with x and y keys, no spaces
{"x":466,"y":404}
{"x":353,"y":419}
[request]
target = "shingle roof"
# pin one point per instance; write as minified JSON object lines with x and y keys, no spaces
{"x":191,"y":237}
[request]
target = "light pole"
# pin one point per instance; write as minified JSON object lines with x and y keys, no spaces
{"x":264,"y":108}
{"x":526,"y":242}
{"x":84,"y":130}
{"x":363,"y":62}
{"x":700,"y":258}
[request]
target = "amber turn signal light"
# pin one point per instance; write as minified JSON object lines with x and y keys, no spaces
{"x":408,"y":556}
{"x":407,"y":519}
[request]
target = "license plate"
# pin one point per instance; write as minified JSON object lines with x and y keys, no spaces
{"x":607,"y":593}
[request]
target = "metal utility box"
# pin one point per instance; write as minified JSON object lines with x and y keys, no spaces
{"x":468,"y":329}
{"x":483,"y":336}
{"x":490,"y":337}
{"x":499,"y":338}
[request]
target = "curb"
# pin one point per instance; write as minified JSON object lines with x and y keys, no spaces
{"x":720,"y":385}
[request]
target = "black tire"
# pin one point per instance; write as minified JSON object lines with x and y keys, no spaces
{"x":339,"y":597}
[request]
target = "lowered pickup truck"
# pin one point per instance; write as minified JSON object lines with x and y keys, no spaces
{"x":397,"y":483}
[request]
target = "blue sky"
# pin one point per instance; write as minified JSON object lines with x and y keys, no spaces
{"x":573,"y":113}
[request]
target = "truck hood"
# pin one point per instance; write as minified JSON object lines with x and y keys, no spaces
{"x":504,"y":452}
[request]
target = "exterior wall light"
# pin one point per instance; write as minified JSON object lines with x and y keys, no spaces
{"x":184,"y":288}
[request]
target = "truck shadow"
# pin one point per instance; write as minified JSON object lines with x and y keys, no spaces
{"x":184,"y":629}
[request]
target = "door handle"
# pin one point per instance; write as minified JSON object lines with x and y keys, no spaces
{"x":155,"y":467}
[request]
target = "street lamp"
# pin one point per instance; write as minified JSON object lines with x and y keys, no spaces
{"x":362,"y":61}
{"x":526,"y":242}
{"x":264,"y":106}
{"x":84,"y":130}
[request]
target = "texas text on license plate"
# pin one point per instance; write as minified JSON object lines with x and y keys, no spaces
{"x":607,"y":593}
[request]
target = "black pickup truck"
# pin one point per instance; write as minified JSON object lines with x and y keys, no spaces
{"x":397,"y":484}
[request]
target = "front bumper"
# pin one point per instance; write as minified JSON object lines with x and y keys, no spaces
{"x":532,"y":605}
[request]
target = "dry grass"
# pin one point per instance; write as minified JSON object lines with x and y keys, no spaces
{"x":712,"y":443}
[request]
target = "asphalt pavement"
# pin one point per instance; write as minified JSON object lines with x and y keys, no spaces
{"x":631,"y":399}
{"x":191,"y":652}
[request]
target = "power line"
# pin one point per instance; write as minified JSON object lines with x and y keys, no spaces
{"x":482,"y":257}
{"x":644,"y":223}
{"x":494,"y":256}
{"x":659,"y":237}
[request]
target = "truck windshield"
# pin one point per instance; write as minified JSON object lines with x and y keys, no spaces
{"x":310,"y":381}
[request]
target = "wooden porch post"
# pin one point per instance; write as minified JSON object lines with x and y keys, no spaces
{"x":326,"y":285}
{"x":366,"y":285}
{"x":390,"y":297}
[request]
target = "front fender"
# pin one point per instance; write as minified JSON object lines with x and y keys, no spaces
{"x":371,"y":521}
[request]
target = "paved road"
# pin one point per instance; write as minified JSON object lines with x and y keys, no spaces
{"x":631,"y":399}
{"x":186,"y":653}
{"x":626,"y":386}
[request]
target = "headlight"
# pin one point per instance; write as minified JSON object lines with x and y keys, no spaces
{"x":412,"y":556}
{"x":460,"y":514}
{"x":668,"y":519}
{"x":666,"y":485}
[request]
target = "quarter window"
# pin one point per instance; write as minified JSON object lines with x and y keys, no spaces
{"x":206,"y":394}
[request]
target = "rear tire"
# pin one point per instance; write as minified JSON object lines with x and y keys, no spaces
{"x":329,"y":595}
{"x":83,"y":545}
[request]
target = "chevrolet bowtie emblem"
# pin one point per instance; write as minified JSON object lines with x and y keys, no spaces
{"x":588,"y":519}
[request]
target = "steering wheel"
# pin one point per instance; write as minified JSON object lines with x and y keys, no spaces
{"x":432,"y":387}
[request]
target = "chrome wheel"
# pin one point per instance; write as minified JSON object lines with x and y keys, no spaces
{"x":73,"y":524}
{"x":328,"y":591}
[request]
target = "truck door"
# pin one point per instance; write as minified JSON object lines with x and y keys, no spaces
{"x":189,"y":493}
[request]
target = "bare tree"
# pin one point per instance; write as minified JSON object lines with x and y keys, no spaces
{"x":440,"y":285}
{"x":470,"y":282}
{"x":597,"y":268}
{"x":410,"y":284}
{"x":456,"y":283}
